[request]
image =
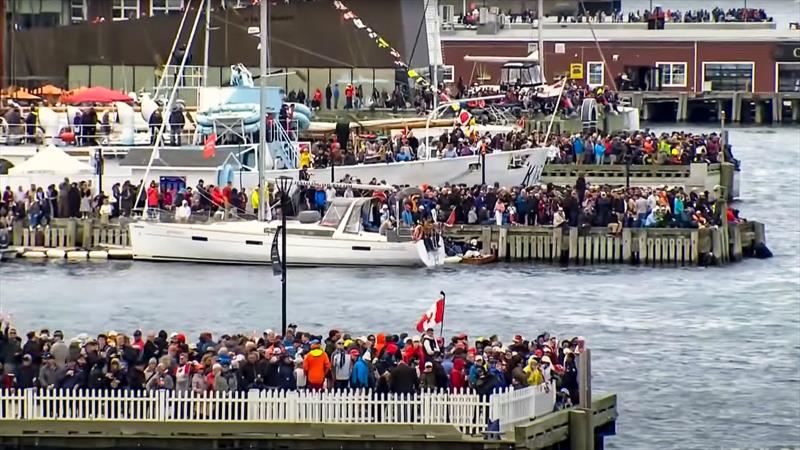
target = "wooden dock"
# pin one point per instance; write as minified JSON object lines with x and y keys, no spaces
{"x":645,"y":246}
{"x":752,"y":107}
{"x":87,"y":238}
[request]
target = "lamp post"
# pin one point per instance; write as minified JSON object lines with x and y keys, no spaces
{"x":284,"y":184}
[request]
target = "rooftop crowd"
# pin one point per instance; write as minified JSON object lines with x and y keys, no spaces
{"x":716,"y":14}
{"x":336,"y":360}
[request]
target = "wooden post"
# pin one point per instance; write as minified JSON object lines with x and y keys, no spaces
{"x":16,"y":232}
{"x":695,"y":247}
{"x":72,"y":233}
{"x":557,"y":243}
{"x":502,"y":243}
{"x":581,"y":432}
{"x":573,"y":244}
{"x":736,"y":242}
{"x":777,"y":108}
{"x":759,"y":234}
{"x":86,"y":235}
{"x":644,"y":257}
{"x":486,"y":240}
{"x":627,"y":237}
{"x":716,"y":245}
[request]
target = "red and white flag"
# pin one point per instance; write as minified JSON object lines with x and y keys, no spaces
{"x":210,"y":146}
{"x":433,"y":316}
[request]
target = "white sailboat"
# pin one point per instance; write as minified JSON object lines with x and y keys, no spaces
{"x":338,"y":239}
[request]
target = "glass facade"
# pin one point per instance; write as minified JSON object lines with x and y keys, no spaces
{"x":729,"y":76}
{"x":789,"y":77}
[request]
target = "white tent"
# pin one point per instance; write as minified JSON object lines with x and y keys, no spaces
{"x":51,"y":161}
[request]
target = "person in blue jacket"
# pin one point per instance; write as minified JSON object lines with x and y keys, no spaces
{"x":359,"y":378}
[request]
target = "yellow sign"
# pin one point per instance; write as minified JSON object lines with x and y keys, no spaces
{"x":576,"y":71}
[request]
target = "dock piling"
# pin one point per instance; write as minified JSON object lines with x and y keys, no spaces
{"x":777,"y":108}
{"x":502,"y":243}
{"x":736,"y":107}
{"x":486,"y":240}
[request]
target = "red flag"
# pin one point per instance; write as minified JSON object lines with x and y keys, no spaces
{"x":433,"y":316}
{"x":210,"y":146}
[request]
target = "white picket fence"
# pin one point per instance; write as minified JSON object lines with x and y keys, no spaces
{"x":516,"y":406}
{"x":465,"y":409}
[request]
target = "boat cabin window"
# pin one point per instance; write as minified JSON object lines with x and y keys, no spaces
{"x":526,"y":74}
{"x":334,"y":215}
{"x":353,"y":222}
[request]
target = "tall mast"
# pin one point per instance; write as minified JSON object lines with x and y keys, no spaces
{"x":207,"y":43}
{"x":262,"y":101}
{"x":540,"y":14}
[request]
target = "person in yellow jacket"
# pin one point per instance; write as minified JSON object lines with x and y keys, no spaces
{"x":254,"y":199}
{"x":534,"y":373}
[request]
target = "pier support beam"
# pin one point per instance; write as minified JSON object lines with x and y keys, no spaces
{"x":627,"y":243}
{"x":683,"y":107}
{"x":72,"y":233}
{"x":760,"y":110}
{"x":736,"y":107}
{"x":502,"y":243}
{"x":486,"y":241}
{"x":736,"y":243}
{"x":573,"y":244}
{"x":777,"y":108}
{"x":720,"y":109}
{"x":760,"y":235}
{"x":795,"y":110}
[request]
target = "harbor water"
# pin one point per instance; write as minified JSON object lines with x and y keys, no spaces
{"x":700,"y":357}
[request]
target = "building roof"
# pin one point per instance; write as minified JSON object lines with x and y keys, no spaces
{"x":682,"y":32}
{"x":172,"y":157}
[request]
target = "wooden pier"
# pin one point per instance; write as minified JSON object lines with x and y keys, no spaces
{"x":87,"y":238}
{"x":646,"y":246}
{"x":748,"y":107}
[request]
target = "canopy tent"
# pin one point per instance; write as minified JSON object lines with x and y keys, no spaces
{"x":98,"y":94}
{"x":51,"y":160}
{"x":49,"y":90}
{"x":19,"y":94}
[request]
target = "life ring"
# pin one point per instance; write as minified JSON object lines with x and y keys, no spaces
{"x":481,"y":104}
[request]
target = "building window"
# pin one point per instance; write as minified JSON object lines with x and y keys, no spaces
{"x":788,"y":77}
{"x":594,"y":74}
{"x":163,"y":7}
{"x":125,"y":9}
{"x":77,"y":11}
{"x":672,"y":74}
{"x":728,"y":76}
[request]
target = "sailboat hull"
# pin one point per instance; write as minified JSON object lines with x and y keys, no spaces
{"x":250,"y":243}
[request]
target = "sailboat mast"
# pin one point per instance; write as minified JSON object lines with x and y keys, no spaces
{"x":207,"y":57}
{"x":540,"y":15}
{"x":262,"y":101}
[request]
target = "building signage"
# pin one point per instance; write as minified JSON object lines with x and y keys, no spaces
{"x":787,"y":52}
{"x":576,"y":71}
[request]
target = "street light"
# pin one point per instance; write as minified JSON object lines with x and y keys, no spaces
{"x":284,"y":184}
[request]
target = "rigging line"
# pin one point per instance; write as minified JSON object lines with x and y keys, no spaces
{"x":288,"y":44}
{"x":600,"y":51}
{"x":419,"y":31}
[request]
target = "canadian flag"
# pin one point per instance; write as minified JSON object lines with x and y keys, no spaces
{"x":433,"y":316}
{"x":210,"y":146}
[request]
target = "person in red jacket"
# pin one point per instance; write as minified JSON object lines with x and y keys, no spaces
{"x":348,"y":95}
{"x":458,"y":379}
{"x":152,"y":195}
{"x":415,"y":351}
{"x":316,"y":101}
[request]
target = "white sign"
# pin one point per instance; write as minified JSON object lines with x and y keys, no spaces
{"x":448,"y":74}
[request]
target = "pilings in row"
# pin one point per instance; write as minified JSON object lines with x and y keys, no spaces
{"x":647,"y":246}
{"x":759,"y":108}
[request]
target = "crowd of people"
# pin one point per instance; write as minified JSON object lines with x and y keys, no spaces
{"x":580,"y":205}
{"x":37,"y":205}
{"x":716,"y":14}
{"x":337,"y":360}
{"x":638,"y":148}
